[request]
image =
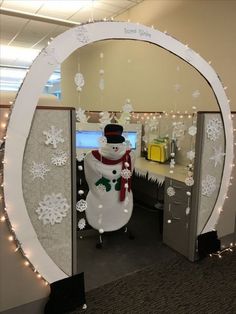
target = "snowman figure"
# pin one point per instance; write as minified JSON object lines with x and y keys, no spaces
{"x":108,"y":173}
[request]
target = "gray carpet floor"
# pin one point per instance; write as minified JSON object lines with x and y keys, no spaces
{"x":177,"y":286}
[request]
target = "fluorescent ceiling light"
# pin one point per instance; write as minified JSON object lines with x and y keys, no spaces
{"x":11,"y":54}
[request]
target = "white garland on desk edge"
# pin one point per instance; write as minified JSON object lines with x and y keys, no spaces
{"x":140,"y":173}
{"x":156,"y":178}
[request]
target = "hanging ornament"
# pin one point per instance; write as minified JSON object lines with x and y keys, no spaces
{"x":52,"y":209}
{"x":218,"y":156}
{"x":187,"y":210}
{"x":208,"y":185}
{"x":106,"y":117}
{"x":191,"y":155}
{"x":81,"y":116}
{"x":53,"y":136}
{"x":170,"y":191}
{"x":178,"y":130}
{"x":214,"y":128}
{"x":127,"y":107}
{"x":79,"y":81}
{"x":192,"y":130}
{"x":189,"y":181}
{"x":80,"y":156}
{"x":126,"y":174}
{"x":59,"y":158}
{"x":172,"y":163}
{"x":101,"y":84}
{"x":81,"y":223}
{"x":81,"y":205}
{"x":39,"y":170}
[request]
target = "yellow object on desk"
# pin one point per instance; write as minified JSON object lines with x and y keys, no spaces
{"x":158,"y":152}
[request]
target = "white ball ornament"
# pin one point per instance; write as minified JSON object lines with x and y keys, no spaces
{"x":126,"y":185}
{"x":100,"y":206}
{"x":126,"y":164}
{"x":80,"y":168}
{"x":126,"y":211}
{"x":101,"y":230}
{"x":188,"y":193}
{"x":80,"y":192}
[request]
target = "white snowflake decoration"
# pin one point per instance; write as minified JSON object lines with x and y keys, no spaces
{"x":79,"y":81}
{"x":208,"y":185}
{"x":170,"y":191}
{"x":81,"y":116}
{"x":191,"y":154}
{"x":81,"y":223}
{"x":106,"y":117}
{"x":153,"y":124}
{"x":80,"y":156}
{"x":192,"y":130}
{"x":101,"y":189}
{"x":213,"y":129}
{"x":39,"y":170}
{"x":189,"y":181}
{"x":218,"y":155}
{"x":53,"y":136}
{"x":126,"y":173}
{"x":178,"y":129}
{"x":52,"y":209}
{"x":127,"y":106}
{"x":59,"y":158}
{"x":196,"y":94}
{"x":172,"y":163}
{"x":81,"y":205}
{"x":82,"y":34}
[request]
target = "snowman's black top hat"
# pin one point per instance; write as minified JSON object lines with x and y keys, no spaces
{"x":113,"y":133}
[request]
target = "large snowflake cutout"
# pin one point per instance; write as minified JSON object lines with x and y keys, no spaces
{"x":218,"y":155}
{"x":192,"y":130}
{"x":52,"y":209}
{"x":79,"y":81}
{"x":59,"y":158}
{"x":213,"y":129}
{"x":81,"y":205}
{"x":39,"y":170}
{"x":82,"y":34}
{"x":208,"y":185}
{"x":81,"y":115}
{"x":53,"y":136}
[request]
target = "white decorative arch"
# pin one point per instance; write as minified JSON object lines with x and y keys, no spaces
{"x":22,"y":114}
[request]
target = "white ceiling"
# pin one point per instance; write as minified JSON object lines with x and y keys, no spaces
{"x":32,"y":23}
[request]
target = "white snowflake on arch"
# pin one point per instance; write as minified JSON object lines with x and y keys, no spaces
{"x":59,"y":158}
{"x":218,"y":155}
{"x":213,"y":129}
{"x":52,"y":209}
{"x":53,"y":136}
{"x":208,"y":185}
{"x":39,"y":170}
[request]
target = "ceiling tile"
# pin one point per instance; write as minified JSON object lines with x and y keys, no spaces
{"x":26,"y":6}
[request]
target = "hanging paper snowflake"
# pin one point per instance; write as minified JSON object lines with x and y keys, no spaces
{"x":191,"y":155}
{"x":53,"y":136}
{"x":81,"y":116}
{"x":196,"y":94}
{"x":39,"y":170}
{"x":81,"y":223}
{"x":59,"y":158}
{"x":208,"y":185}
{"x":178,"y":130}
{"x":101,"y":72}
{"x":80,"y":156}
{"x":152,"y":124}
{"x":102,"y":141}
{"x":52,"y":209}
{"x":127,"y":106}
{"x":106,"y":117}
{"x":81,"y":205}
{"x":189,"y":181}
{"x":213,"y":129}
{"x":126,"y":173}
{"x":101,"y":188}
{"x":192,"y":130}
{"x":79,"y":81}
{"x":172,"y":163}
{"x":170,"y":191}
{"x":218,"y":155}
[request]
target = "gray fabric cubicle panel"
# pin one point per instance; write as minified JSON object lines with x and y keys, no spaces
{"x":55,"y":238}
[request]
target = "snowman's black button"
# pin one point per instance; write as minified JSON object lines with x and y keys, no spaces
{"x":114,"y":180}
{"x":114,"y":171}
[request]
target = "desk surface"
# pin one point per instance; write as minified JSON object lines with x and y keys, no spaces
{"x":161,"y":171}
